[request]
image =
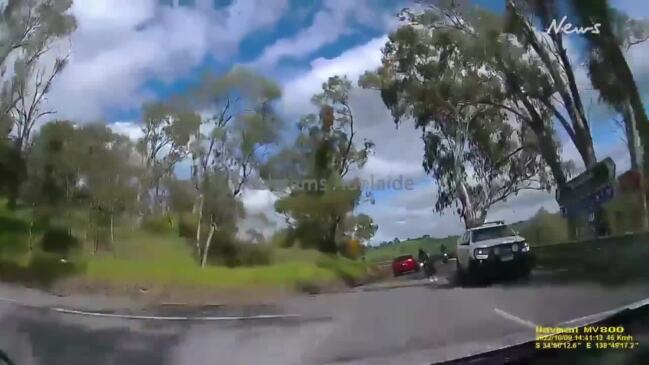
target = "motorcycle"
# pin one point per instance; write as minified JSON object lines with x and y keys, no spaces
{"x":445,"y":258}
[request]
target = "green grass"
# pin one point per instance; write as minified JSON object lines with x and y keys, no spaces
{"x":430,"y":245}
{"x":144,"y":258}
{"x":153,"y":272}
{"x":161,"y":260}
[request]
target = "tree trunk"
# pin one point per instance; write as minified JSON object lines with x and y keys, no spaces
{"x":607,"y":42}
{"x":329,"y":245}
{"x":156,"y":199}
{"x":198,"y":225}
{"x":112,"y":231}
{"x":31,"y":226}
{"x":637,"y":156}
{"x":570,"y":96}
{"x":206,"y":250}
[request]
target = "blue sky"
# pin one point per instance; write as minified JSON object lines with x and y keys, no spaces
{"x":126,"y":52}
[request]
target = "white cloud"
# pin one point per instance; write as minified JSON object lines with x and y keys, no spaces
{"x":260,"y":212}
{"x":128,"y":129}
{"x":120,"y":45}
{"x":335,"y":19}
{"x":353,"y":62}
{"x":378,"y":167}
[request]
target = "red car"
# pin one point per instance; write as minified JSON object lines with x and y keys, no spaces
{"x":404,"y":264}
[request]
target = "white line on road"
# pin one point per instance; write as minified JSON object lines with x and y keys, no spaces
{"x":7,"y":300}
{"x":174,"y":318}
{"x":514,"y":318}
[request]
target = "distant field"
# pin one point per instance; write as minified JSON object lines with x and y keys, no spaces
{"x":430,"y":245}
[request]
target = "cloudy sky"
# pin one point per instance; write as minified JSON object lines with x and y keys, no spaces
{"x":127,"y":52}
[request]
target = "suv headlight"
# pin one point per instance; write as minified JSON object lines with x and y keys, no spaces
{"x":525,"y":248}
{"x":481,"y":253}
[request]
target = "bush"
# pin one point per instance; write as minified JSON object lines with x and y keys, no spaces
{"x":227,"y":250}
{"x":58,"y":241}
{"x":352,"y":249}
{"x":253,"y":254}
{"x":282,"y":239}
{"x":546,"y":228}
{"x":43,"y":269}
{"x":46,"y":268}
{"x":158,"y":225}
{"x":13,"y":244}
{"x":187,"y":224}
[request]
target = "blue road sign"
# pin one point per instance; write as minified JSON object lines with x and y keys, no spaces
{"x":589,"y":203}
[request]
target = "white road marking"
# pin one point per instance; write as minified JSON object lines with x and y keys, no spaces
{"x":174,"y":318}
{"x":514,"y":318}
{"x":8,"y":300}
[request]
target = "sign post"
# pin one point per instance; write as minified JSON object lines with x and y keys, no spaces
{"x":588,"y":190}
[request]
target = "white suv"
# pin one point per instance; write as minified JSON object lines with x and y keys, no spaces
{"x":489,"y":249}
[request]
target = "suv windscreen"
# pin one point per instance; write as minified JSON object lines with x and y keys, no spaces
{"x":403,"y":258}
{"x":483,"y":234}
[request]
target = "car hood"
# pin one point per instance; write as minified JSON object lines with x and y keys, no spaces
{"x":499,"y":241}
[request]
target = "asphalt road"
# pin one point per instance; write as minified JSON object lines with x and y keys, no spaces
{"x":407,"y":321}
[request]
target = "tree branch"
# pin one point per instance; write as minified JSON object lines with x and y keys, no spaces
{"x":636,"y":42}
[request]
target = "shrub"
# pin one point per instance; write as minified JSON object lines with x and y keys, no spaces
{"x":352,"y":249}
{"x":253,"y":254}
{"x":546,"y":228}
{"x":59,"y":241}
{"x":227,"y":250}
{"x":46,"y":268}
{"x":158,"y":224}
{"x":187,"y":224}
{"x":12,"y":244}
{"x":282,"y":239}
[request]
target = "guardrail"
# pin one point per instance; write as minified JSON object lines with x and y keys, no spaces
{"x":612,"y":259}
{"x":627,"y":238}
{"x":602,"y":245}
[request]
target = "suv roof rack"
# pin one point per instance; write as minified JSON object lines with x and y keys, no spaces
{"x":497,"y":223}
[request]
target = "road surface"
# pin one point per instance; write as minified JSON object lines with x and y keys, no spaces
{"x":408,"y":321}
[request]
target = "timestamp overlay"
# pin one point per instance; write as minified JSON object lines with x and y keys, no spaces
{"x":585,"y":338}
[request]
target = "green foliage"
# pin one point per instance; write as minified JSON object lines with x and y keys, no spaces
{"x":625,"y":213}
{"x":363,"y":227}
{"x":352,"y":249}
{"x":59,"y":241}
{"x":42,"y":269}
{"x":45,"y":268}
{"x":227,"y":250}
{"x":159,"y":260}
{"x":158,"y":225}
{"x":13,"y":234}
{"x":181,"y":195}
{"x":476,"y":152}
{"x":187,"y":224}
{"x":322,"y":154}
{"x":281,"y":239}
{"x":545,"y":228}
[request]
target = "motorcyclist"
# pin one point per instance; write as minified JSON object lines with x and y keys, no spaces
{"x":429,"y":267}
{"x":444,"y":253}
